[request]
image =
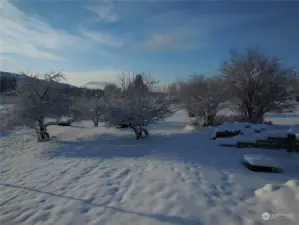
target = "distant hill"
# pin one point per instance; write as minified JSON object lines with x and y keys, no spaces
{"x":96,"y":84}
{"x":22,"y":79}
{"x":61,"y":87}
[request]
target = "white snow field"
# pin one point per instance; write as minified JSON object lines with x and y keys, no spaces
{"x":177,"y":176}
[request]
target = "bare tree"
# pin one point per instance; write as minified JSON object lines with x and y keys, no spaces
{"x":137,"y":105}
{"x":37,"y":99}
{"x":259,"y":84}
{"x":203,"y":97}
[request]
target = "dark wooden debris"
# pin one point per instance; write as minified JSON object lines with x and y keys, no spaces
{"x":259,"y":168}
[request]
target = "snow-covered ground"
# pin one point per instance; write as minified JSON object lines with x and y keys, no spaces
{"x":87,"y":175}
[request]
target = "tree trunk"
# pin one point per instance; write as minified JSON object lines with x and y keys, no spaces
{"x":260,"y":116}
{"x":247,"y":110}
{"x":210,"y":120}
{"x":144,"y":132}
{"x":260,"y":119}
{"x":95,"y":122}
{"x":190,"y":114}
{"x":140,"y":132}
{"x":42,"y":134}
{"x":250,"y":115}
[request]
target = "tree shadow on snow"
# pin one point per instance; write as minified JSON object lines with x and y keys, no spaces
{"x":112,"y":146}
{"x":4,"y":133}
{"x":159,"y":217}
{"x":124,"y":145}
{"x":193,"y":148}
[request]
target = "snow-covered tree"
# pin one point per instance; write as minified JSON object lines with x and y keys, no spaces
{"x":111,"y":89}
{"x":137,"y":105}
{"x":36,"y":100}
{"x":92,"y":108}
{"x":203,"y":97}
{"x":88,"y":109}
{"x":259,"y":84}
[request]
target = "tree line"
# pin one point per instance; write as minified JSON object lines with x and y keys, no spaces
{"x":250,"y":83}
{"x":9,"y":82}
{"x":133,"y":104}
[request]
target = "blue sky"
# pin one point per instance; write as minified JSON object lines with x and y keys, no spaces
{"x":99,"y":40}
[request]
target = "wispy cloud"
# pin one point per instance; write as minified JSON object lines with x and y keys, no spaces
{"x":105,"y":10}
{"x":2,"y":3}
{"x":179,"y":30}
{"x":167,"y":41}
{"x":6,"y":58}
{"x":25,"y":35}
{"x":102,"y":38}
{"x":164,"y":37}
{"x":158,"y":41}
{"x":8,"y":63}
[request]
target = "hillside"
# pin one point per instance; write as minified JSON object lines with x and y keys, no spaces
{"x":96,"y":85}
{"x":22,"y":79}
{"x":63,"y":87}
